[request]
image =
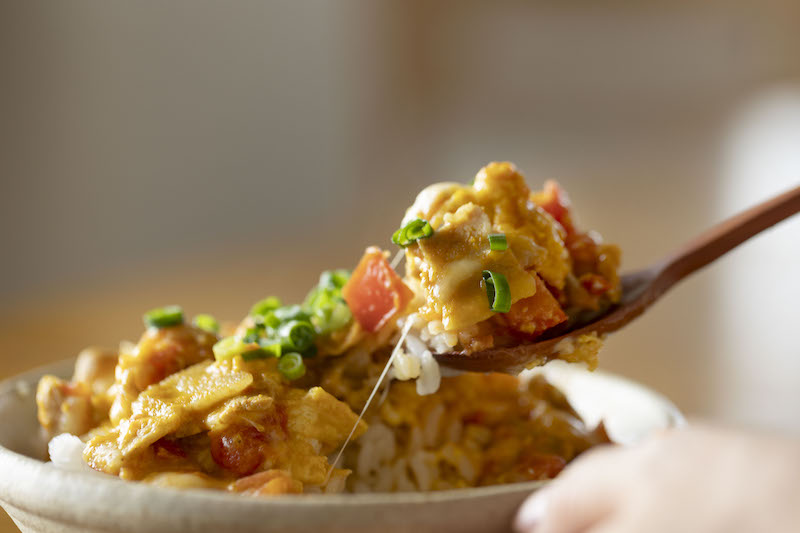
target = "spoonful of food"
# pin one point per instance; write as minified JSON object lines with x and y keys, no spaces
{"x":640,"y":289}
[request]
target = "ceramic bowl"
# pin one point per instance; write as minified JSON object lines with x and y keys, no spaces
{"x":40,"y":497}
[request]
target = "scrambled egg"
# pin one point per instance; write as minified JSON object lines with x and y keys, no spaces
{"x":557,"y":275}
{"x":449,"y":264}
{"x":211,"y":424}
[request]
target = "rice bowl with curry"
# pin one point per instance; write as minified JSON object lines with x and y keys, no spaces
{"x":342,"y":392}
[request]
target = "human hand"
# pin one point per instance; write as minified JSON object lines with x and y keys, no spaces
{"x":698,"y":480}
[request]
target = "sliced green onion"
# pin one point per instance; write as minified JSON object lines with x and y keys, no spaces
{"x":413,"y":231}
{"x":267,"y":320}
{"x":257,"y":353}
{"x":297,"y":335}
{"x":271,"y":346}
{"x":291,"y":366}
{"x":321,"y":298}
{"x":229,"y":347}
{"x":330,"y":313}
{"x":291,"y":312}
{"x":206,"y":322}
{"x":335,"y":316}
{"x":264,"y":306}
{"x":164,"y":317}
{"x":311,"y":352}
{"x":325,"y":304}
{"x":497,"y":291}
{"x":252,"y":335}
{"x":334,"y":279}
{"x":497,"y":241}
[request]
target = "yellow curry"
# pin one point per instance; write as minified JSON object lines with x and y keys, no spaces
{"x":263,"y":406}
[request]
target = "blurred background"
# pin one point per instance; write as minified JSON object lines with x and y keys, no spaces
{"x":209,"y":153}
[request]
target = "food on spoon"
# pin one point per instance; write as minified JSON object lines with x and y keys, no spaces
{"x":261,"y":407}
{"x":496,"y":240}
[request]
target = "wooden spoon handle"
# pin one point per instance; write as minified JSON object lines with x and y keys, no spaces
{"x":725,"y":236}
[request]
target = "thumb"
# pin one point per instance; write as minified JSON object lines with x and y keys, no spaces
{"x":581,"y":496}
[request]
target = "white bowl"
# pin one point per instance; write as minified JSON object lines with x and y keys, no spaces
{"x":40,"y":497}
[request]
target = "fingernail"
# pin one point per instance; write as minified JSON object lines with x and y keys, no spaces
{"x":531,"y":512}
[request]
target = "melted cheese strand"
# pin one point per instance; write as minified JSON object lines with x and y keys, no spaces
{"x":397,"y":258}
{"x":403,"y":333}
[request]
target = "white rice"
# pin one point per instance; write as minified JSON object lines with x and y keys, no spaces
{"x":66,"y":451}
{"x":414,"y":461}
{"x":429,"y":377}
{"x":406,"y":366}
{"x":423,"y":467}
{"x":417,"y":361}
{"x":378,"y":448}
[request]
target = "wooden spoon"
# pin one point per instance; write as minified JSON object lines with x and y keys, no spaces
{"x":639,"y":289}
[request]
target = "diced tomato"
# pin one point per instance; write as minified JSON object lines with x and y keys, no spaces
{"x":167,"y":449}
{"x":238,"y":449}
{"x":475,"y":417}
{"x":595,"y":284}
{"x":375,"y":293}
{"x":582,"y":247}
{"x":280,"y":418}
{"x":164,"y":362}
{"x":536,"y":314}
{"x":269,"y":482}
{"x":555,"y":201}
{"x":559,"y":294}
{"x":165,"y":351}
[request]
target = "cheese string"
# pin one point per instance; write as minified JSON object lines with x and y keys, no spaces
{"x":397,"y":258}
{"x":396,"y":350}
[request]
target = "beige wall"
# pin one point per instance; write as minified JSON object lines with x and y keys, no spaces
{"x":136,"y":131}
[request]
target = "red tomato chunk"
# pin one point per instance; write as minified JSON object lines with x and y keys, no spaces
{"x":375,"y":293}
{"x":238,"y":450}
{"x":535,"y":315}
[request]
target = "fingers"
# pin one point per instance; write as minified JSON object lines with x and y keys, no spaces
{"x":580,"y":497}
{"x":613,"y":526}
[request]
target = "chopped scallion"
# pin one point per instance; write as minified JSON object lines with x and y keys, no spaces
{"x":335,"y":316}
{"x":229,"y":347}
{"x":252,"y":334}
{"x":328,"y":309}
{"x":291,"y":312}
{"x":334,"y":279}
{"x":291,"y":366}
{"x":412,"y":232}
{"x":297,"y":335}
{"x":310,"y":352}
{"x":267,"y":320}
{"x":206,"y":322}
{"x":164,"y":317}
{"x":497,"y":241}
{"x":264,"y":306}
{"x":271,"y":346}
{"x":497,"y":290}
{"x":257,"y":353}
